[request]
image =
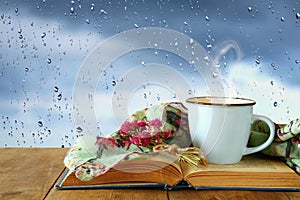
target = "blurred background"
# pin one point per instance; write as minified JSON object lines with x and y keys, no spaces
{"x":43,"y":44}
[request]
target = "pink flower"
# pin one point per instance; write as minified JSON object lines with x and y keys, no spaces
{"x":145,"y":138}
{"x":135,"y":140}
{"x":140,"y":123}
{"x":126,"y":127}
{"x":145,"y":141}
{"x":156,"y":135}
{"x":167,"y":134}
{"x":156,"y":123}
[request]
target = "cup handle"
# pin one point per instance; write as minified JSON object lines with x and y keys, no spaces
{"x":271,"y":125}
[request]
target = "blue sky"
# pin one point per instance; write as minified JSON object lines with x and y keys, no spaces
{"x":44,"y":43}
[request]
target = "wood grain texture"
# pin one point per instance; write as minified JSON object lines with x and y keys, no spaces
{"x":29,"y":173}
{"x":111,"y":194}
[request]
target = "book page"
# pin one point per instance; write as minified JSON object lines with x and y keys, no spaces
{"x":254,"y":171}
{"x":255,"y":163}
{"x":154,"y":168}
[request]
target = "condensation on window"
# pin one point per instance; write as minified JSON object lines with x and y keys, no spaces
{"x":43,"y":45}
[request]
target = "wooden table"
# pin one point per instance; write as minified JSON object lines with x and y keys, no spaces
{"x":30,"y":173}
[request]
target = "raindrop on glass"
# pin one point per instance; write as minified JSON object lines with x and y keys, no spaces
{"x":215,"y":74}
{"x":297,"y":61}
{"x":55,"y":89}
{"x":103,"y":12}
{"x":40,"y":123}
{"x":92,"y":7}
{"x":272,"y":82}
{"x":273,"y":65}
{"x":113,"y":83}
{"x":79,"y":129}
{"x":191,"y":41}
{"x":158,"y":97}
{"x":275,"y":104}
{"x":59,"y":96}
{"x":297,"y":15}
{"x":282,"y":19}
{"x":250,"y":9}
{"x":43,"y":35}
{"x":136,"y":26}
{"x":207,"y":18}
{"x":16,"y":10}
{"x":257,"y":61}
{"x":72,"y":9}
{"x":87,"y":21}
{"x":49,"y":60}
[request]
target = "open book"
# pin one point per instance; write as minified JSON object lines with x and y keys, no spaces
{"x":254,"y":172}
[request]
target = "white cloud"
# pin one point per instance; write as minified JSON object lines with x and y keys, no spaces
{"x":273,"y":98}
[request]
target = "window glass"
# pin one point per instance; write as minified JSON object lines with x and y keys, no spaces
{"x":45,"y":44}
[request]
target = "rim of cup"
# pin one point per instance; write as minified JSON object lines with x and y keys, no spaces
{"x":221,"y":101}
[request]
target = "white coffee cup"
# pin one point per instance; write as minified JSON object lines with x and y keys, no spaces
{"x":220,"y":126}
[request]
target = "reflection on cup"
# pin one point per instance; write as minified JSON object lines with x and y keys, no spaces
{"x":220,"y":126}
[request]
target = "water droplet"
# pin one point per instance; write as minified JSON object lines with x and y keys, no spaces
{"x":272,"y":83}
{"x":250,"y":9}
{"x":87,"y":21}
{"x":55,"y":89}
{"x":103,"y":12}
{"x":158,"y":97}
{"x":92,"y":7}
{"x":275,"y":104}
{"x":49,"y":60}
{"x":215,"y":74}
{"x":257,"y":61}
{"x":297,"y":61}
{"x":282,"y":19}
{"x":297,"y":15}
{"x":206,"y":58}
{"x":176,"y":44}
{"x":207,"y":18}
{"x":273,"y":65}
{"x":72,"y":9}
{"x":40,"y":123}
{"x":190,"y":91}
{"x":191,"y":41}
{"x":16,"y":10}
{"x":26,"y":69}
{"x":20,"y":30}
{"x":113,"y":83}
{"x":43,"y":35}
{"x":79,"y":129}
{"x":59,"y":96}
{"x":145,"y":95}
{"x":136,"y":26}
